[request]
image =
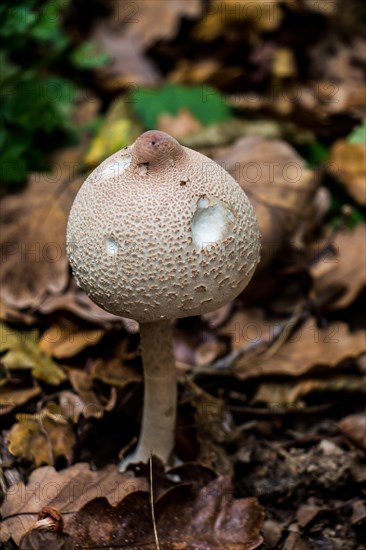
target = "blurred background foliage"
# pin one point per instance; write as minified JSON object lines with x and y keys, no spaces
{"x":41,"y":71}
{"x":285,"y":68}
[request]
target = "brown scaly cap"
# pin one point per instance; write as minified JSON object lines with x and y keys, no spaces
{"x":159,"y":231}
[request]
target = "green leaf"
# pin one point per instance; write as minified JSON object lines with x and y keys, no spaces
{"x":16,"y":20}
{"x":207,"y":105}
{"x":22,"y":352}
{"x":86,"y":56}
{"x":358,"y":134}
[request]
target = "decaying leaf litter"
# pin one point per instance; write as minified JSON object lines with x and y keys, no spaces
{"x":271,"y":424}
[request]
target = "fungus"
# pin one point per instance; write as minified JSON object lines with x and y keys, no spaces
{"x":146,"y":247}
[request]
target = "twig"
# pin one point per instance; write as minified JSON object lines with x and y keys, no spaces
{"x":152,"y":506}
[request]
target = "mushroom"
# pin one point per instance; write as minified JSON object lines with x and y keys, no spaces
{"x":159,"y":232}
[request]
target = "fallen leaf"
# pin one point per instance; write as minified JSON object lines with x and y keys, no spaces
{"x":224,"y":133}
{"x":92,"y":404}
{"x":277,"y":394}
{"x":341,"y":275}
{"x":278,"y":184}
{"x":114,"y":372}
{"x":42,"y":438}
{"x":183,"y":124}
{"x":208,"y":519}
{"x":214,"y":426}
{"x":336,"y":69}
{"x":67,"y":490}
{"x":10,"y":314}
{"x":38,"y":539}
{"x":76,"y":302}
{"x":307,"y":348}
{"x":264,"y":15}
{"x":22,"y":352}
{"x":120,"y":128}
{"x":308,"y":511}
{"x":66,"y":339}
{"x":33,"y":234}
{"x":354,"y":427}
{"x":347,"y":163}
{"x":12,"y":396}
{"x":283,"y":64}
{"x":249,"y":327}
{"x":130,"y":30}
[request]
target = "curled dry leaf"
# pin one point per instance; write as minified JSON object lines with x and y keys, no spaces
{"x":214,"y":426}
{"x":92,"y":404}
{"x":67,"y":490}
{"x":348,"y":163}
{"x":12,"y":396}
{"x":114,"y":372}
{"x":307,"y":348}
{"x":262,"y":15}
{"x":354,"y":427}
{"x":130,"y":30}
{"x":66,"y":339}
{"x":278,"y":184}
{"x":33,"y":233}
{"x":341,"y":275}
{"x":42,"y":438}
{"x":22,"y":352}
{"x":75,"y":301}
{"x":10,"y":314}
{"x":291,"y":393}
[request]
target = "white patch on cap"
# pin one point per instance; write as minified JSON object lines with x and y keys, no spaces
{"x":114,"y":169}
{"x":212,"y":222}
{"x":111,"y":246}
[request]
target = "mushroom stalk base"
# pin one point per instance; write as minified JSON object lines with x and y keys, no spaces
{"x":160,"y":394}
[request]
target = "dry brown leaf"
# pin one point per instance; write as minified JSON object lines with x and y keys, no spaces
{"x":186,"y":518}
{"x":342,"y":275}
{"x":67,"y":490}
{"x":263,"y":15}
{"x":347,"y":162}
{"x":114,"y":372}
{"x":354,"y":427}
{"x":92,"y":405}
{"x":278,"y":184}
{"x":12,"y":396}
{"x":21,"y":351}
{"x":338,"y":76}
{"x":75,"y":301}
{"x":130,"y":30}
{"x":248,"y":327}
{"x":307,"y":348}
{"x":42,"y":438}
{"x":183,"y":124}
{"x":66,"y":339}
{"x":290,"y":393}
{"x":10,"y":314}
{"x":113,"y":508}
{"x":33,"y":233}
{"x":283,"y":64}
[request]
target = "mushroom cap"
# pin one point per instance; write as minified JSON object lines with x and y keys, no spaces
{"x":159,"y":231}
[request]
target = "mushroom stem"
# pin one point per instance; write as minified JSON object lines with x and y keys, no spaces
{"x":160,"y":392}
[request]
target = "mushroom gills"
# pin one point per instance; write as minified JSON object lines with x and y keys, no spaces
{"x":212,"y":222}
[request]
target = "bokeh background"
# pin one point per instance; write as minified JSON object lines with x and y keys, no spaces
{"x":272,"y":386}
